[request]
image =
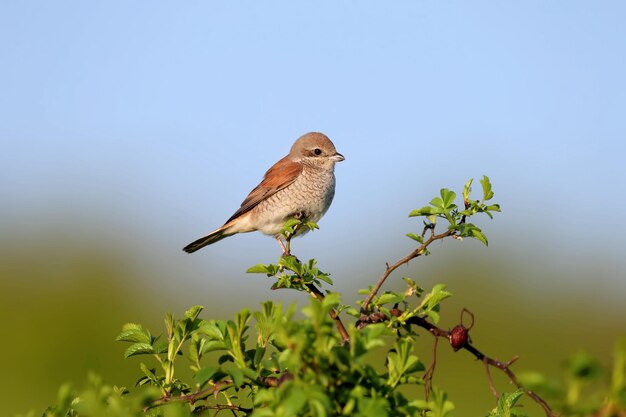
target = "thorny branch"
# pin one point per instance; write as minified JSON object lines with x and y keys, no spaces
{"x":192,"y":398}
{"x":417,"y":252}
{"x":487,"y":361}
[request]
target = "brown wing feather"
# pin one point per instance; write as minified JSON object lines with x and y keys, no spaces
{"x":279,"y":176}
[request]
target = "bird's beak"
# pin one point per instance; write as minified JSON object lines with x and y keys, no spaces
{"x":337,"y":157}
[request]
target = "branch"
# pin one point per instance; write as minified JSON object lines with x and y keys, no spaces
{"x":390,"y":268}
{"x":220,"y":407}
{"x":504,"y":367}
{"x":192,"y":397}
{"x":269,"y":381}
{"x":417,"y":252}
{"x":439,"y":332}
{"x":430,"y":372}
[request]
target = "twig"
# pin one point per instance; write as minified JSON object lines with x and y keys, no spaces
{"x":220,"y":407}
{"x":214,"y":389}
{"x":492,"y":386}
{"x":504,"y":367}
{"x":390,"y":268}
{"x":192,"y":397}
{"x":430,"y":372}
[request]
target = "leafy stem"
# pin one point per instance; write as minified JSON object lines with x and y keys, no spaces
{"x":442,"y":207}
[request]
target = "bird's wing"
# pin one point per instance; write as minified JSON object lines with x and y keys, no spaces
{"x":279,"y":176}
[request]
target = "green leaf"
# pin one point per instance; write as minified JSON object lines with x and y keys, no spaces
{"x":415,"y":237}
{"x":193,"y":312}
{"x":389,"y":297}
{"x":467,"y":189}
{"x":412,"y":288}
{"x":258,"y":269}
{"x":132,"y":326}
{"x":149,"y":373}
{"x":264,"y":396}
{"x":506,"y":402}
{"x":294,"y":401}
{"x":373,"y":407}
{"x":331,"y":300}
{"x":138,"y":349}
{"x":212,"y":330}
{"x":583,"y":366}
{"x":478,"y":235}
{"x":236,"y":339}
{"x":311,"y":225}
{"x":438,"y":202}
{"x":431,"y":301}
{"x":325,"y":278}
{"x":134,"y":333}
{"x":448,"y":197}
{"x":439,"y":405}
{"x":195,"y":349}
{"x":259,"y":353}
{"x":65,"y":397}
{"x":160,"y":347}
{"x":289,"y":226}
{"x":205,"y":374}
{"x":242,"y":321}
{"x":236,"y":373}
{"x":618,"y":378}
{"x":424,"y":211}
{"x":433,"y":315}
{"x":292,"y":263}
{"x":370,"y":337}
{"x":487,"y":193}
{"x":470,"y":230}
{"x":212,"y":346}
{"x":400,"y":361}
{"x":437,"y":295}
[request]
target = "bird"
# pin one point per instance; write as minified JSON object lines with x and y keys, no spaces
{"x":301,"y":185}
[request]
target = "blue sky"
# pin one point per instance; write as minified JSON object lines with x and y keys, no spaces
{"x":152,"y":120}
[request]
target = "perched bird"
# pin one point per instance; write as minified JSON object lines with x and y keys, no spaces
{"x":300,"y":185}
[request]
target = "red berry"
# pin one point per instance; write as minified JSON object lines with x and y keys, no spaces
{"x":459,"y":336}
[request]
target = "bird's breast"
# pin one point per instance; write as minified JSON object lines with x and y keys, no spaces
{"x":311,"y":193}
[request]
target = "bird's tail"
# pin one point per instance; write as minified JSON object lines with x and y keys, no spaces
{"x":209,"y":239}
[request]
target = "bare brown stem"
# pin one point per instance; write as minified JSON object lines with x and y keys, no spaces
{"x":430,"y":372}
{"x":492,"y":386}
{"x":192,"y":397}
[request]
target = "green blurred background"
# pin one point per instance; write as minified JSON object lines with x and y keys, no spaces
{"x":130,"y":129}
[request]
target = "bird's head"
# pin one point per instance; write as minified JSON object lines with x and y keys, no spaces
{"x":315,"y":149}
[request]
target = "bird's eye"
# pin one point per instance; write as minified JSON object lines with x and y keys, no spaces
{"x":317,"y":151}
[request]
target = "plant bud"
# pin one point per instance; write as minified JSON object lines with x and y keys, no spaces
{"x":459,"y":336}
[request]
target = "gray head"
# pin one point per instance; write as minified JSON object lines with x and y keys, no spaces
{"x":315,"y":148}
